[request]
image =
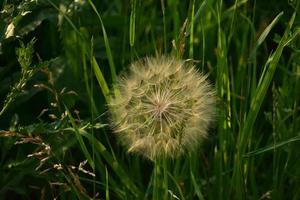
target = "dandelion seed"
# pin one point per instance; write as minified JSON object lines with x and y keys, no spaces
{"x":165,"y":107}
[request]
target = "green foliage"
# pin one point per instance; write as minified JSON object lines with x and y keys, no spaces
{"x":24,"y":56}
{"x":59,"y":61}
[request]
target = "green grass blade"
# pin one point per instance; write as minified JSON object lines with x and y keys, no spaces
{"x":177,"y":186}
{"x":100,"y":78}
{"x":262,"y":88}
{"x":265,"y":33}
{"x":106,"y":185}
{"x":117,"y":168}
{"x":191,"y":50}
{"x":196,"y":187}
{"x":164,"y":25}
{"x":272,"y":147}
{"x":80,"y":140}
{"x":132,"y":23}
{"x":106,"y":43}
{"x":267,"y":30}
{"x":89,"y":87}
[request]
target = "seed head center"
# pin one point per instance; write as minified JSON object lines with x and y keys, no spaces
{"x":161,"y":107}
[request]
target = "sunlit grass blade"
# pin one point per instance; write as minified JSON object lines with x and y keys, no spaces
{"x":106,"y":42}
{"x":100,"y":78}
{"x":223,"y":87}
{"x":80,"y":140}
{"x":89,"y":87}
{"x":194,"y":18}
{"x":264,"y":34}
{"x":132,"y":23}
{"x":106,"y":185}
{"x":191,"y":50}
{"x":272,"y":146}
{"x":262,"y":88}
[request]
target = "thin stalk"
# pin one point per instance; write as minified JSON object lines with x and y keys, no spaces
{"x":5,"y":107}
{"x":164,"y":24}
{"x":191,"y":50}
{"x":160,"y":181}
{"x":165,"y":178}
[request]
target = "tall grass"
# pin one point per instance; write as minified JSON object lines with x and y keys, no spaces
{"x":58,"y":118}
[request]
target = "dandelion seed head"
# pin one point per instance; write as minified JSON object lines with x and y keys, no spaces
{"x":165,"y":107}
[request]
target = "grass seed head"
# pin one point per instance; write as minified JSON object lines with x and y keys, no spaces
{"x":164,"y":109}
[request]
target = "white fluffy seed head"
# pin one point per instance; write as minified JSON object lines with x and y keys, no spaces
{"x":165,"y":107}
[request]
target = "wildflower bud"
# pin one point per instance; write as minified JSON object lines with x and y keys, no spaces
{"x":164,"y":108}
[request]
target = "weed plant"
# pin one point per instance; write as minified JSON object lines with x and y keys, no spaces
{"x":59,"y":63}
